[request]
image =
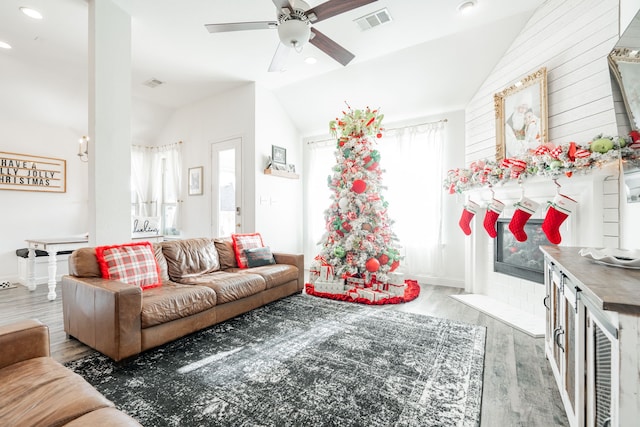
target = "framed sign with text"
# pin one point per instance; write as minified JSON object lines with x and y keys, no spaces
{"x":32,"y":173}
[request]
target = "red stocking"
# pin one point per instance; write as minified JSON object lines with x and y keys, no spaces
{"x":558,"y":211}
{"x":493,"y":212}
{"x":467,"y":215}
{"x":524,"y":209}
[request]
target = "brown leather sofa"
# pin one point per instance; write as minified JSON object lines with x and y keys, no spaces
{"x":201,"y":286}
{"x":35,"y":390}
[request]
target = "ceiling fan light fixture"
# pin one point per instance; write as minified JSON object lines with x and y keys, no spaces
{"x":294,"y":33}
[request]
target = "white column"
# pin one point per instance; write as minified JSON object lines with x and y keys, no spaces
{"x":109,"y":122}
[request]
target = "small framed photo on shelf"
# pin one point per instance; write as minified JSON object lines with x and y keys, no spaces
{"x":195,"y":181}
{"x":279,"y":155}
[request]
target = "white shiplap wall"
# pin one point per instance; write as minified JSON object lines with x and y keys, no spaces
{"x":572,"y":39}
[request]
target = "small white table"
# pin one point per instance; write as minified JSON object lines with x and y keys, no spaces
{"x":52,"y":246}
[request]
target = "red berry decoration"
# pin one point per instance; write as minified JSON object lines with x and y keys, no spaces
{"x":358,"y":186}
{"x":372,"y":265}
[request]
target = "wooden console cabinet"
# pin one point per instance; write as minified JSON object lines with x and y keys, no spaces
{"x":592,"y":338}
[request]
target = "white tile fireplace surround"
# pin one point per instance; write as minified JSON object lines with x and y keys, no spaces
{"x":594,"y":223}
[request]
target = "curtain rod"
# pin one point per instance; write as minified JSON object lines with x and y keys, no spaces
{"x":420,"y":124}
{"x":157,"y":146}
{"x":417,"y":124}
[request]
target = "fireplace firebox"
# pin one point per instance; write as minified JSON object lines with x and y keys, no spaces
{"x":520,"y":259}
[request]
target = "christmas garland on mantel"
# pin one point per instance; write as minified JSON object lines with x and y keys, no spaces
{"x":548,"y":160}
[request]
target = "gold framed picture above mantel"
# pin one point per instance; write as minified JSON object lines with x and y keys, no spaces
{"x":521,"y":116}
{"x":25,"y":172}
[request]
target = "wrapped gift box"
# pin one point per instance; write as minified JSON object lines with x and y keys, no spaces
{"x":366,"y":294}
{"x":379,"y":296}
{"x":326,"y":273}
{"x":329,"y":287}
{"x":396,"y":278}
{"x":314,"y":274}
{"x":355,"y":282}
{"x":396,"y":290}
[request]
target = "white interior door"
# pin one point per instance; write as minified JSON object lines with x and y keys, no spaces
{"x":226,"y":187}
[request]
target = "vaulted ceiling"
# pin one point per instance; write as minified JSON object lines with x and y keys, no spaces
{"x":430,"y":58}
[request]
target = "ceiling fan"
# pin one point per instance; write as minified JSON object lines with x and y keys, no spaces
{"x":294,"y":20}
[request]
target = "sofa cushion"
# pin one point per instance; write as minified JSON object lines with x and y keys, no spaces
{"x":231,"y":286}
{"x":105,"y":417}
{"x":257,"y":257}
{"x":275,"y":274}
{"x":84,"y":263}
{"x":245,"y":241}
{"x":190,"y":258}
{"x":162,"y":262}
{"x":226,"y":253}
{"x":42,"y":392}
{"x":174,"y":301}
{"x":132,"y":263}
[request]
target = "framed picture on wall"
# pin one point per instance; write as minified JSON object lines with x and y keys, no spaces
{"x":521,"y":116}
{"x":279,"y":155}
{"x":195,"y":181}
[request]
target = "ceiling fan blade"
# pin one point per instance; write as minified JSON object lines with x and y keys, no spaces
{"x":331,"y":48}
{"x":282,"y":4}
{"x":334,"y":7}
{"x":241,"y":26}
{"x":279,"y":58}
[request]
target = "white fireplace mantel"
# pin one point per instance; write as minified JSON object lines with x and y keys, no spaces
{"x":596,"y":192}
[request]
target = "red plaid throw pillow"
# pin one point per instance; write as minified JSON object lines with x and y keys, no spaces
{"x":245,"y":241}
{"x":132,"y":263}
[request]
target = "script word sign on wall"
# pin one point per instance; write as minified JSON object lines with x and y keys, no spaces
{"x":32,"y":173}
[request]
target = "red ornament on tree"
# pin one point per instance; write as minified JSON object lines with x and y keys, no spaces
{"x":383,"y":259}
{"x":395,"y":265}
{"x":372,"y":265}
{"x":358,"y":186}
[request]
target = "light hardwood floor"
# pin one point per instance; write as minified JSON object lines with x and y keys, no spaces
{"x":518,"y":388}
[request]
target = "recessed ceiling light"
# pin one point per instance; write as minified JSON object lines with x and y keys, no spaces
{"x":310,"y":60}
{"x":31,"y":13}
{"x":4,"y":45}
{"x":466,"y":6}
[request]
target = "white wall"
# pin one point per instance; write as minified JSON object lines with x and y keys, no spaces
{"x":28,"y":214}
{"x":254,"y":115}
{"x":228,"y":115}
{"x":278,"y":200}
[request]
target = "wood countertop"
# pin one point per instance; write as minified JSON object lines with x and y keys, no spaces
{"x":611,"y":288}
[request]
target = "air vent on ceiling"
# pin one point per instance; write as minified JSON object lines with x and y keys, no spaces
{"x":373,"y":19}
{"x":153,"y":83}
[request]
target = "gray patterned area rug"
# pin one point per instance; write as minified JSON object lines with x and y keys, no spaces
{"x":304,"y":361}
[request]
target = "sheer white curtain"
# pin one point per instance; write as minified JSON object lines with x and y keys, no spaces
{"x":172,"y":155}
{"x":145,"y":174}
{"x":155,"y":183}
{"x":321,"y":159}
{"x":411,"y":158}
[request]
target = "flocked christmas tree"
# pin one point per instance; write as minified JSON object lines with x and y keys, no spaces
{"x":358,"y":240}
